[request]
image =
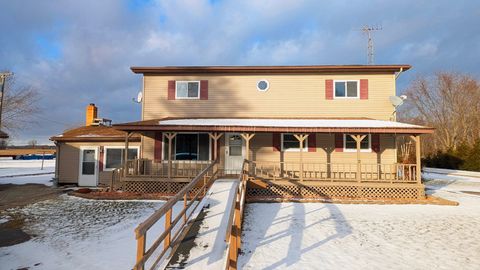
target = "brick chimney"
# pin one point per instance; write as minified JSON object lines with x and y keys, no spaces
{"x":91,"y":114}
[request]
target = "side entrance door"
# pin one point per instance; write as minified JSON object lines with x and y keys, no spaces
{"x":234,"y":153}
{"x":88,"y":167}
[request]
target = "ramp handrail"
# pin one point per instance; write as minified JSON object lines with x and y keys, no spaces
{"x":234,"y":230}
{"x":143,"y":254}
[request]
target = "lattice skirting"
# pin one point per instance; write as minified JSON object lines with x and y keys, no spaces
{"x":154,"y":187}
{"x":340,"y":191}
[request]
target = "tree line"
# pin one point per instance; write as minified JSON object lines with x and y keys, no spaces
{"x":450,"y":103}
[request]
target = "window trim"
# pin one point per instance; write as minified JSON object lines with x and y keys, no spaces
{"x":368,"y":150}
{"x":176,"y":88}
{"x":305,"y":144}
{"x":345,"y":97}
{"x":116,"y":147}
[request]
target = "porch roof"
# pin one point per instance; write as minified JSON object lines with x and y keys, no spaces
{"x":286,"y":125}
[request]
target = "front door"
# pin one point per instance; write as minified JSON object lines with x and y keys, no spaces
{"x":234,"y":153}
{"x":88,"y":167}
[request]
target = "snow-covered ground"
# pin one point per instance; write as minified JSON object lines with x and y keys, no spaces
{"x":74,"y":233}
{"x":349,"y":236}
{"x":26,"y":172}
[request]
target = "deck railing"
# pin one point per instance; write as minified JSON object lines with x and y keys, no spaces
{"x":350,"y":172}
{"x":168,"y":236}
{"x":234,"y":231}
{"x":146,"y":168}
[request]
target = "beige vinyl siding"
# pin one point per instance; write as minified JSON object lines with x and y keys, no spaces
{"x":288,"y":96}
{"x":69,"y":161}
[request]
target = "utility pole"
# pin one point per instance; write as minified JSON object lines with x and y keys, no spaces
{"x":370,"y":50}
{"x":3,"y":81}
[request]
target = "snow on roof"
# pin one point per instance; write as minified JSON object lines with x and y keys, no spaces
{"x":294,"y":123}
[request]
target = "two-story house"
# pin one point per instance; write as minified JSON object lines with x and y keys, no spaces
{"x":305,"y":130}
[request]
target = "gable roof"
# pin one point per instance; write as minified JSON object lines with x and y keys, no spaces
{"x":94,"y":133}
{"x":166,"y":70}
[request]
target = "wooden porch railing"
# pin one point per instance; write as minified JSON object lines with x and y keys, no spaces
{"x":149,"y":168}
{"x":234,"y":231}
{"x":381,"y":173}
{"x":169,"y":237}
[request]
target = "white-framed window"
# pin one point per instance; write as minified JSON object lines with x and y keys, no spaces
{"x":187,"y":90}
{"x":290,"y":143}
{"x":346,"y":89}
{"x":113,"y":156}
{"x":350,"y":145}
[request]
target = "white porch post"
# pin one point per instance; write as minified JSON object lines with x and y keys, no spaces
{"x":358,"y":139}
{"x":125,"y":152}
{"x":170,"y":136}
{"x":418,"y":158}
{"x":215,"y":136}
{"x":301,"y":138}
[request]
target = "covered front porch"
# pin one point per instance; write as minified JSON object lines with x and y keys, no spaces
{"x":287,"y":158}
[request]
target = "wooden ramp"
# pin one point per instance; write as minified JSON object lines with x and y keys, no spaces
{"x":206,"y":244}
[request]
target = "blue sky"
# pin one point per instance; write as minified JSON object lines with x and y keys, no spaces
{"x":77,"y":52}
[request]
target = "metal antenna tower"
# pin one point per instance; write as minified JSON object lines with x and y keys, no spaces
{"x":370,"y":51}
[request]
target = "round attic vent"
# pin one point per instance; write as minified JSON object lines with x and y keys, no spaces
{"x":263,"y":85}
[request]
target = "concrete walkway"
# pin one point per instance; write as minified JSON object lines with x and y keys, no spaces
{"x":205,"y":246}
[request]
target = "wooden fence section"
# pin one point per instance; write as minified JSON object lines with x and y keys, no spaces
{"x":168,"y":237}
{"x":334,"y":172}
{"x":234,"y":231}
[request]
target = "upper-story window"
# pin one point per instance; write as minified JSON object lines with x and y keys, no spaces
{"x":347,"y":89}
{"x":187,"y":90}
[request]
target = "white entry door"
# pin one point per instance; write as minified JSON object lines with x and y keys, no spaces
{"x":234,"y":153}
{"x":88,"y":167}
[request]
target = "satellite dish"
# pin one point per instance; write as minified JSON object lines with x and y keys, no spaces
{"x":397,"y":101}
{"x":139,"y":97}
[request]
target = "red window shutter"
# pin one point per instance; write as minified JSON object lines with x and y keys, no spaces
{"x":364,"y":89}
{"x":338,"y":142}
{"x":171,"y":90}
{"x":312,"y":142}
{"x":375,"y":142}
{"x":204,"y":89}
{"x":328,"y":89}
{"x":100,"y":161}
{"x":276,"y":142}
{"x":157,"y":154}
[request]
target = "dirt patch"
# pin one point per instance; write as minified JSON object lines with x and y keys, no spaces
{"x":14,"y":196}
{"x":20,"y":195}
{"x":11,"y":232}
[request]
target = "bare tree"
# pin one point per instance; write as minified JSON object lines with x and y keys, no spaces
{"x":32,"y":143}
{"x":449,"y":102}
{"x":19,"y":105}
